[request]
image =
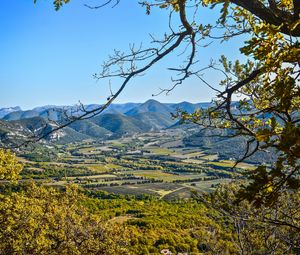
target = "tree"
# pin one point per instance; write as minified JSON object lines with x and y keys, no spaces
{"x":267,"y":83}
{"x":264,"y":230}
{"x":10,"y":167}
{"x":35,"y":219}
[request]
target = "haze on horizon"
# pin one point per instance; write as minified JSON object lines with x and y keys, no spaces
{"x":115,"y":103}
{"x":48,"y":57}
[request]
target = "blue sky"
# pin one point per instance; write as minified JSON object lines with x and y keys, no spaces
{"x":48,"y":57}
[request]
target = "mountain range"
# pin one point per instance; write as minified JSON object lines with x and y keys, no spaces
{"x":119,"y":120}
{"x":129,"y":109}
{"x":115,"y":121}
{"x":6,"y":111}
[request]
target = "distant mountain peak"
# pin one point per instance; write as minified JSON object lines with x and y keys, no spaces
{"x":150,"y":105}
{"x":151,"y":101}
{"x":8,"y":110}
{"x":14,"y":108}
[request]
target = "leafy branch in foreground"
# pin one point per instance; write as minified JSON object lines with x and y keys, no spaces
{"x":264,"y":230}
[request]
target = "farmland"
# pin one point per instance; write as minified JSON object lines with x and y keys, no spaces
{"x":154,"y":163}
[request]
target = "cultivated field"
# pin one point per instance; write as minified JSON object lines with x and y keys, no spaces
{"x":153,"y":163}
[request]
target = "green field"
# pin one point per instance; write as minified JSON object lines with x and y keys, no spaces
{"x":143,"y":164}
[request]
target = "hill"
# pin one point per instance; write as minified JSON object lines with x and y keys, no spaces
{"x":188,"y":107}
{"x":5,"y":111}
{"x":18,"y":115}
{"x":89,"y":128}
{"x":120,"y":124}
{"x":18,"y":131}
{"x":155,"y":120}
{"x":152,"y":106}
{"x":218,"y":142}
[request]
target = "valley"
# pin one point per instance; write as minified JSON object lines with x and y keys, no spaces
{"x":154,"y":163}
{"x":130,"y":149}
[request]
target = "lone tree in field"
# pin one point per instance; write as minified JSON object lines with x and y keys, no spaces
{"x":267,"y":83}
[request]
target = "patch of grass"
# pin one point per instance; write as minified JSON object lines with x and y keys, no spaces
{"x":98,"y":168}
{"x":117,"y":145}
{"x":194,"y":154}
{"x":224,"y":163}
{"x":210,"y":157}
{"x":157,"y":175}
{"x":99,"y":176}
{"x":89,"y":151}
{"x":161,"y":151}
{"x":193,"y":161}
{"x":230,"y":163}
{"x":112,"y":166}
{"x":206,"y":186}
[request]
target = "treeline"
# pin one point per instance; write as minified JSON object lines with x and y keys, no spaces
{"x":97,"y":185}
{"x":197,"y":179}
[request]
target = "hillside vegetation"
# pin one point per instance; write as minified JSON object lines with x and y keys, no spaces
{"x":36,"y":219}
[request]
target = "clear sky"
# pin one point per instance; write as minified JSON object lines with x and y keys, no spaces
{"x":48,"y":57}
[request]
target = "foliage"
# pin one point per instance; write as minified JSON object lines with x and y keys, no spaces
{"x":9,"y":166}
{"x":58,"y":3}
{"x":182,"y":226}
{"x":260,"y":230}
{"x":40,"y":220}
{"x":35,"y":219}
{"x":268,"y":85}
{"x":211,"y":224}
